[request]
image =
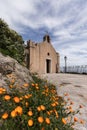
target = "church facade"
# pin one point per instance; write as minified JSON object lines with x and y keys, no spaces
{"x":42,"y":57}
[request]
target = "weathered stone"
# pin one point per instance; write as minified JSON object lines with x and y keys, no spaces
{"x":10,"y":66}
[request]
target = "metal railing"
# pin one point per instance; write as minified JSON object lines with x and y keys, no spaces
{"x":75,"y":69}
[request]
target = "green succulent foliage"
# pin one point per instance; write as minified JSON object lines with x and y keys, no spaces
{"x":11,"y":43}
{"x":42,"y":93}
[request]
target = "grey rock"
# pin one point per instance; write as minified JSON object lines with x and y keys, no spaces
{"x":10,"y":66}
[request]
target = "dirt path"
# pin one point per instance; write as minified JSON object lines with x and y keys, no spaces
{"x":76,"y":86}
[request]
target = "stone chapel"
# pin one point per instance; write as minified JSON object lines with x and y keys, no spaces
{"x":41,"y":57}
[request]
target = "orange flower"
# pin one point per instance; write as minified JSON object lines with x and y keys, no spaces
{"x":30,"y":122}
{"x":13,"y":113}
{"x":36,"y":85}
{"x":29,"y":95}
{"x":33,"y":84}
{"x":3,"y":89}
{"x":82,"y":121}
{"x":75,"y":119}
{"x":26,"y":96}
{"x":7,"y":97}
{"x":39,"y":108}
{"x":21,"y":98}
{"x":71,"y":110}
{"x":56,"y":114}
{"x":16,"y":99}
{"x":1,"y":92}
{"x":30,"y":113}
{"x":47,"y":120}
{"x":5,"y":116}
{"x":19,"y":110}
{"x":43,"y":128}
{"x":56,"y":103}
{"x":27,"y":104}
{"x":71,"y":103}
{"x":40,"y":119}
{"x":47,"y":90}
{"x":42,"y":107}
{"x":48,"y":112}
{"x":51,"y":111}
{"x":64,"y":121}
{"x":70,"y":107}
{"x":80,"y":106}
{"x":10,"y":86}
{"x":26,"y":85}
{"x":53,"y":104}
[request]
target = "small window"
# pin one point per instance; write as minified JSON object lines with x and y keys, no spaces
{"x":48,"y":53}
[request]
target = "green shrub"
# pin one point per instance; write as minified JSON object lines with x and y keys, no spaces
{"x":11,"y":43}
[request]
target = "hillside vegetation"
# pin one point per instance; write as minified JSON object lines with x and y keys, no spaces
{"x":11,"y":43}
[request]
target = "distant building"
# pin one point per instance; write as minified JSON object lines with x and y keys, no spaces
{"x":42,"y":57}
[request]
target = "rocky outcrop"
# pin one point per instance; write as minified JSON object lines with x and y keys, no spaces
{"x":8,"y":67}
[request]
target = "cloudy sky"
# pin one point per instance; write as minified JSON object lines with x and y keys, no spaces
{"x":64,"y":20}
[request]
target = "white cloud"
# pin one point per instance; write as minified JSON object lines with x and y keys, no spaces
{"x":66,"y":19}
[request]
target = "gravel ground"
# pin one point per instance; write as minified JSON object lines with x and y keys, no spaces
{"x":76,"y":86}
